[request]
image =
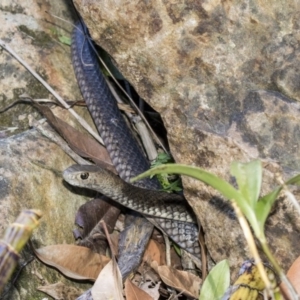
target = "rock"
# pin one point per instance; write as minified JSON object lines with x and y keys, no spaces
{"x":35,"y":35}
{"x":224,"y":76}
{"x":30,"y":165}
{"x":30,"y":177}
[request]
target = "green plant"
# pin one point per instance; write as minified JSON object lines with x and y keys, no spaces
{"x":245,"y":200}
{"x":216,"y":282}
{"x":168,"y":184}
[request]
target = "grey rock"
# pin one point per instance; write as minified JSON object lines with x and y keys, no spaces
{"x":30,"y":164}
{"x":30,"y":177}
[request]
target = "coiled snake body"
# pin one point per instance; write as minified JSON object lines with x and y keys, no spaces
{"x":125,"y":153}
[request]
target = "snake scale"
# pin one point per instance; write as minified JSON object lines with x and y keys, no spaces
{"x":124,"y":152}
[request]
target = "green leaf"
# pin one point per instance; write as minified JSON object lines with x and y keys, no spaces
{"x":110,"y":65}
{"x":217,"y":282}
{"x":162,"y":158}
{"x":226,"y":189}
{"x":264,"y":205}
{"x":294,"y":180}
{"x":65,"y":40}
{"x":249,"y":178}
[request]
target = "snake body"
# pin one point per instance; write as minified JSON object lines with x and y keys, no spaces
{"x":125,"y":153}
{"x":148,"y":202}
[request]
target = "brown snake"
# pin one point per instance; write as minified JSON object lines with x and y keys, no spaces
{"x":148,"y":202}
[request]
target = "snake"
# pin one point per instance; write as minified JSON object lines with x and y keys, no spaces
{"x":171,"y":212}
{"x":153,"y":203}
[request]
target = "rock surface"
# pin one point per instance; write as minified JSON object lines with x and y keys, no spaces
{"x":35,"y":35}
{"x":30,"y":165}
{"x":30,"y":177}
{"x":225,"y":77}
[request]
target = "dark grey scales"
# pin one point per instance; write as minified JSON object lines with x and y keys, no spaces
{"x":124,"y":151}
{"x":148,"y":202}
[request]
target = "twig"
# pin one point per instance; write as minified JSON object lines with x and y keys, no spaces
{"x":287,"y":193}
{"x":132,"y":103}
{"x":251,"y":243}
{"x":203,"y":251}
{"x":140,"y":126}
{"x":52,"y":91}
{"x":104,"y":227}
{"x":168,"y":249}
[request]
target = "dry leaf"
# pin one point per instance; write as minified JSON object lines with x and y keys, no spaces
{"x":109,"y":283}
{"x":155,"y":252}
{"x":89,"y":214}
{"x":73,"y":261}
{"x":80,"y":143}
{"x":60,"y":291}
{"x":182,"y":281}
{"x":151,"y":288}
{"x":133,"y":292}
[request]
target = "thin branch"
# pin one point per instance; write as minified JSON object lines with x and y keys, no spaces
{"x":287,"y":193}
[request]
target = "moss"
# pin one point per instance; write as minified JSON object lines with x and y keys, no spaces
{"x":13,"y":8}
{"x":34,"y":88}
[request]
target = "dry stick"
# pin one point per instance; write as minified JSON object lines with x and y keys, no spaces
{"x":133,"y":104}
{"x":287,"y":193}
{"x":203,"y":252}
{"x":49,"y":88}
{"x":168,"y":249}
{"x":103,"y":224}
{"x":140,"y":126}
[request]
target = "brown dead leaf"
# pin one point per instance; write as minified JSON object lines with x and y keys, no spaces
{"x":133,"y":292}
{"x":293,"y":275}
{"x":109,"y":283}
{"x":80,"y":143}
{"x":73,"y":261}
{"x":88,"y":217}
{"x":182,"y":281}
{"x":155,"y":252}
{"x":60,"y":291}
{"x":89,"y":214}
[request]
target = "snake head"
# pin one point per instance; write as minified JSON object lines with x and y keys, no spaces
{"x":92,"y":177}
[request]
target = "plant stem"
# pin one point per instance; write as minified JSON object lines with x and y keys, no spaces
{"x":277,"y":268}
{"x":252,"y":247}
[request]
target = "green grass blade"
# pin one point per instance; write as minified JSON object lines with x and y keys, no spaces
{"x":265,"y":203}
{"x":249,"y":178}
{"x":226,"y":189}
{"x":294,"y":180}
{"x":217,"y":282}
{"x":264,"y":206}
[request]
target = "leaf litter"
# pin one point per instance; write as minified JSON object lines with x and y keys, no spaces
{"x":91,"y":234}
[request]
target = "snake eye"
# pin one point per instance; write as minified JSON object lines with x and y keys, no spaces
{"x":84,"y":176}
